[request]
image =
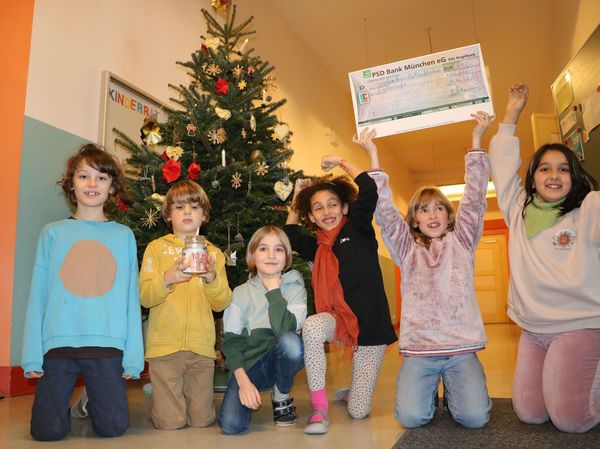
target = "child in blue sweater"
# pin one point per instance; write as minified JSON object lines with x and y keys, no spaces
{"x":83,"y":315}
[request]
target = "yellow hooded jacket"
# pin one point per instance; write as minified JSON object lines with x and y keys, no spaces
{"x":180,"y":315}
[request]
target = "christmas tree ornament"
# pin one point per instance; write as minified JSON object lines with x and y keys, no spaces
{"x":223,"y":4}
{"x":150,"y":131}
{"x":122,"y":205}
{"x":217,"y":136}
{"x":251,"y":71}
{"x":237,"y":71}
{"x":150,"y":218}
{"x":171,"y":171}
{"x":281,"y":131}
{"x":283,"y":189}
{"x":204,"y":49}
{"x":241,"y":85}
{"x":244,"y":133}
{"x":241,"y":49}
{"x":236,"y":180}
{"x":212,"y":70}
{"x":252,"y":123}
{"x":212,"y":42}
{"x":193,"y":171}
{"x":238,"y":236}
{"x":222,"y":86}
{"x":256,"y":155}
{"x":262,"y":168}
{"x":174,"y":153}
{"x":191,"y":129}
{"x":230,"y":256}
{"x":270,"y":83}
{"x":215,"y":184}
{"x":224,"y":114}
{"x":144,"y":177}
{"x":158,"y":198}
{"x":223,"y":161}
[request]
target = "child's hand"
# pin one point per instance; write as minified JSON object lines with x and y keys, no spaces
{"x":211,"y":274}
{"x":517,"y":98}
{"x":365,"y":140}
{"x":482,"y":122}
{"x":300,"y":184}
{"x":249,"y":395}
{"x":329,"y":162}
{"x":175,"y":274}
{"x":271,"y":283}
{"x":127,"y":376}
{"x":34,"y":374}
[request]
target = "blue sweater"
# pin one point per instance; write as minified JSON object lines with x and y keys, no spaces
{"x":84,"y":292}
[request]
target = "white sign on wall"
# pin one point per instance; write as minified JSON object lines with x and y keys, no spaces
{"x":124,"y":107}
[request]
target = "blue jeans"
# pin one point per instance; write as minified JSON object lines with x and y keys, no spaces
{"x":276,"y":367}
{"x":464,"y":385}
{"x":106,"y":389}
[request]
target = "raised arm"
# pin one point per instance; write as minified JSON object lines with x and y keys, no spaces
{"x":469,"y":219}
{"x":505,"y":158}
{"x":329,"y":162}
{"x":365,"y":140}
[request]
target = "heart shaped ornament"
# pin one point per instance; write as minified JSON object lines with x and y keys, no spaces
{"x":283,"y":190}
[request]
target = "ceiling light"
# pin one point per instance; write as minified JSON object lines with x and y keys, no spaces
{"x":455,"y":192}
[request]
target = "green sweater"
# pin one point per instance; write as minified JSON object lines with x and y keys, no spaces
{"x":257,"y":317}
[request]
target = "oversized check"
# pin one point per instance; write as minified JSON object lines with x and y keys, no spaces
{"x":430,"y":90}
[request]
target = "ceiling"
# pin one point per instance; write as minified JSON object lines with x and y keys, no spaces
{"x":516,"y":36}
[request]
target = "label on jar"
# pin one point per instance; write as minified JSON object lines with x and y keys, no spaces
{"x":197,"y":258}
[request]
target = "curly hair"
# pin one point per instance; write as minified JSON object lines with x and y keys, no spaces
{"x":99,"y":159}
{"x":582,"y":182}
{"x":341,"y":186}
{"x":424,"y":196}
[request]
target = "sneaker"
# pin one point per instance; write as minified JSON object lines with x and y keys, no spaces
{"x":284,"y":412}
{"x":342,"y":394}
{"x":317,"y":426}
{"x":79,"y":409}
{"x":148,"y":390}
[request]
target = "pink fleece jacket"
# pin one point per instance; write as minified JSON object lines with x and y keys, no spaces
{"x":440,"y":314}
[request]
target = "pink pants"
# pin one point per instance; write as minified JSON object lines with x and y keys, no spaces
{"x":557,"y":378}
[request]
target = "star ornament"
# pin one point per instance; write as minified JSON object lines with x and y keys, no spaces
{"x":236,"y":180}
{"x":237,"y":71}
{"x":242,"y":85}
{"x":150,"y":218}
{"x":262,"y":168}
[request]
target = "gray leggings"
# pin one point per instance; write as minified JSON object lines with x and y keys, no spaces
{"x":366,"y":363}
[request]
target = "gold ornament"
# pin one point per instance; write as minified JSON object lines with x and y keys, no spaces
{"x":262,"y":168}
{"x":236,"y":180}
{"x":217,"y":136}
{"x":241,"y":85}
{"x":212,"y":42}
{"x":212,"y":70}
{"x":150,"y":131}
{"x":224,"y":114}
{"x":150,"y":218}
{"x":256,"y":155}
{"x":237,"y":71}
{"x":174,"y":153}
{"x":244,"y":133}
{"x":252,"y":123}
{"x":270,"y":83}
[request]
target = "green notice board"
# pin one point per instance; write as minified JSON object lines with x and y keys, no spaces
{"x":576,"y":94}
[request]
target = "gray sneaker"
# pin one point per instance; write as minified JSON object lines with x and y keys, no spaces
{"x":79,"y":409}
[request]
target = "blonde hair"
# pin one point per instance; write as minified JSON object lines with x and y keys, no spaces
{"x":424,"y":196}
{"x":185,"y":192}
{"x":254,"y":243}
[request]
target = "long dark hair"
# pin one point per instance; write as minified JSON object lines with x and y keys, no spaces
{"x":582,"y":182}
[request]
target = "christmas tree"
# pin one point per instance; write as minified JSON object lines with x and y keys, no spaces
{"x":224,"y":134}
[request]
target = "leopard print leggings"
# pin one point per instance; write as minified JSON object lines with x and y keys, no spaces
{"x":366,"y":363}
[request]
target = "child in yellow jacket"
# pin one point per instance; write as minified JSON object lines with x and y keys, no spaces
{"x":181,"y":332}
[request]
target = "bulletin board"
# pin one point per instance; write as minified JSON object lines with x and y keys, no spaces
{"x":576,"y":94}
{"x":124,"y":106}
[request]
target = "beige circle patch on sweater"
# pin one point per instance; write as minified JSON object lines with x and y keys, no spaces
{"x":89,"y":269}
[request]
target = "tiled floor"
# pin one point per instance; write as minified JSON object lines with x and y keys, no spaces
{"x":379,"y":430}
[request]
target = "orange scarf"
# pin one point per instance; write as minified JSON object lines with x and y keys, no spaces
{"x":329,"y":296}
